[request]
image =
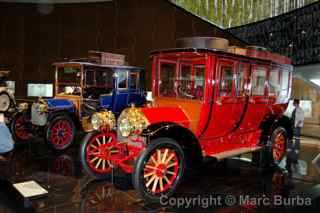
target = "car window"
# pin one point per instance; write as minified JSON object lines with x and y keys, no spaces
{"x":199,"y":71}
{"x":134,"y":76}
{"x":122,"y":80}
{"x":185,"y":83}
{"x":284,"y":82}
{"x":104,"y":78}
{"x":242,"y":76}
{"x":258,"y":80}
{"x":90,"y":78}
{"x":98,"y":77}
{"x":167,"y":79}
{"x":274,"y":82}
{"x":226,"y":79}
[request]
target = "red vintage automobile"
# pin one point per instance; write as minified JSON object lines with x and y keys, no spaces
{"x":210,"y":101}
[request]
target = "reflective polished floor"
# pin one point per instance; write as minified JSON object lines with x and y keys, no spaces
{"x":72,"y":190}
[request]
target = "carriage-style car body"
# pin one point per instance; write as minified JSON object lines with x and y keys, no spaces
{"x":214,"y":102}
{"x":81,"y":89}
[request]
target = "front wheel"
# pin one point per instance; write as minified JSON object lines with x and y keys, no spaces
{"x":159,"y":169}
{"x":60,"y":132}
{"x":97,"y":150}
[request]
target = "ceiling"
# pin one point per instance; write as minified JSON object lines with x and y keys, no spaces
{"x":52,"y":1}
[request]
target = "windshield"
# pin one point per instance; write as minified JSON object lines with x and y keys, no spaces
{"x":181,"y":79}
{"x":68,"y":81}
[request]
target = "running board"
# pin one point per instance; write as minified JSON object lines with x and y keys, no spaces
{"x":235,"y":152}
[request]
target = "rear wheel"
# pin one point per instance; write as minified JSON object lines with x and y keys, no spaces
{"x":273,"y":154}
{"x":279,"y":142}
{"x":60,"y":132}
{"x":21,"y":128}
{"x":159,"y":169}
{"x":96,"y":151}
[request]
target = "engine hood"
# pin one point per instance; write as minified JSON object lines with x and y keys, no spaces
{"x":60,"y":104}
{"x":166,"y":114}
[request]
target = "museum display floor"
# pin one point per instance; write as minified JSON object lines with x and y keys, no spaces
{"x":71,"y":190}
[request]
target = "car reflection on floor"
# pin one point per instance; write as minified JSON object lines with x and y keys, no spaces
{"x":71,"y":190}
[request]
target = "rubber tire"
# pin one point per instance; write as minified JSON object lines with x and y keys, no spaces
{"x":48,"y":131}
{"x":139,"y":168}
{"x":10,"y":101}
{"x":264,"y":158}
{"x":13,"y":132}
{"x":85,"y":166}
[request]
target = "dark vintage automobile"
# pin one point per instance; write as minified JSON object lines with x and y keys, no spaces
{"x":83,"y":90}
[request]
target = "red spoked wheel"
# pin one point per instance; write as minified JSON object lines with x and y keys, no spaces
{"x":20,"y":128}
{"x":61,"y":132}
{"x":278,"y":147}
{"x":279,"y":140}
{"x":98,"y":149}
{"x":159,"y":169}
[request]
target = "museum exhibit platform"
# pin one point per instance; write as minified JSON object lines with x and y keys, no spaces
{"x":70,"y":189}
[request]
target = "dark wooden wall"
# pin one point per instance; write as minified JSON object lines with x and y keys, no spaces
{"x":33,"y":36}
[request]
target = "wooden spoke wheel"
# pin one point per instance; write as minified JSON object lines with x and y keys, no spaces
{"x":159,"y":169}
{"x":278,"y":146}
{"x":279,"y":141}
{"x":61,"y":132}
{"x":97,"y":151}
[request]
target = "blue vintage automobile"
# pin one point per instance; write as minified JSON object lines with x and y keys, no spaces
{"x":83,"y":92}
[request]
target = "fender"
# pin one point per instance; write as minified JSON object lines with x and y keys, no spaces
{"x":53,"y":114}
{"x":60,"y":104}
{"x":272,"y":122}
{"x":156,"y":115}
{"x":186,"y":139}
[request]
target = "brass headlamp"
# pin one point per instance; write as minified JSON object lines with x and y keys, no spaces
{"x":132,"y":121}
{"x":103,"y":119}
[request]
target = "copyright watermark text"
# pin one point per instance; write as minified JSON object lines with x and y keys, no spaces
{"x":233,"y":200}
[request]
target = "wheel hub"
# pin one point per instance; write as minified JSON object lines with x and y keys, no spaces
{"x":161,"y":170}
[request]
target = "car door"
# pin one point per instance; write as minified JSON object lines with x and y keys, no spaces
{"x":120,"y":100}
{"x":258,"y":100}
{"x":226,"y":107}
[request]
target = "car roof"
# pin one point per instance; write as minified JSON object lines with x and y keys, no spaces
{"x":216,"y":51}
{"x":97,"y":65}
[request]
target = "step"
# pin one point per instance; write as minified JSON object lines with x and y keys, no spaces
{"x":234,"y":152}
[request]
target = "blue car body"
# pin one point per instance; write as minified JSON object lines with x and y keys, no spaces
{"x":82,"y":88}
